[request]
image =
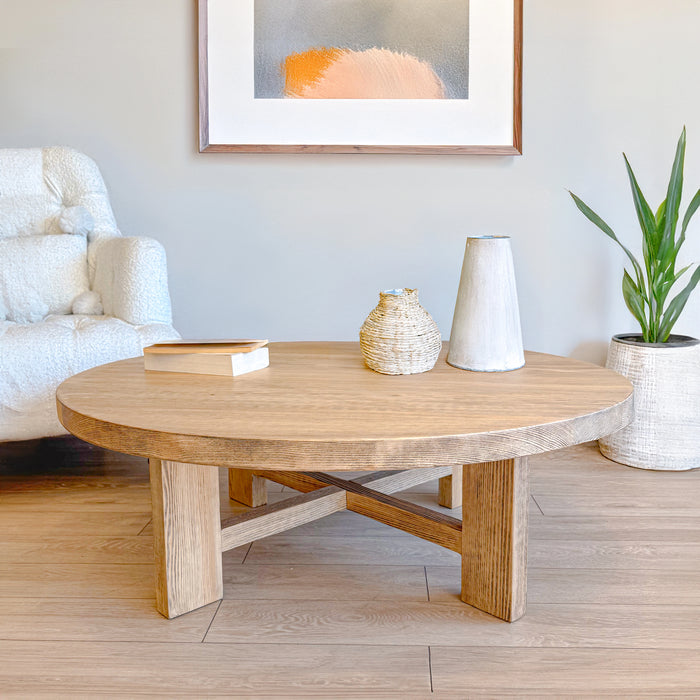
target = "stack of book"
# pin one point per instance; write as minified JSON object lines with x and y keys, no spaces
{"x":229,"y":358}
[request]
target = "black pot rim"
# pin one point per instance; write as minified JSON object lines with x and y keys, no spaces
{"x":674,"y":341}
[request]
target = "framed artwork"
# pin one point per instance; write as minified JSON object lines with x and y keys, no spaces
{"x":360,"y":76}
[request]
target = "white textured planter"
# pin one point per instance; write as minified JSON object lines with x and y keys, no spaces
{"x":486,"y":335}
{"x":665,"y":433}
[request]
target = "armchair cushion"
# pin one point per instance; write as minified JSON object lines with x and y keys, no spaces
{"x":41,"y":275}
{"x":35,"y":358}
{"x":131,"y":277}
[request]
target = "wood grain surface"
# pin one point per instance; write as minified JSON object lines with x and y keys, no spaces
{"x":566,"y":673}
{"x":416,"y":520}
{"x":246,"y":488}
{"x":324,"y":495}
{"x":358,"y":609}
{"x":450,"y":489}
{"x":187,"y":536}
{"x":278,"y":517}
{"x":374,"y":551}
{"x":275,"y":581}
{"x":385,"y":621}
{"x":317,"y":407}
{"x":189,"y":670}
{"x":391,"y":482}
{"x":494,"y":538}
{"x":569,"y":586}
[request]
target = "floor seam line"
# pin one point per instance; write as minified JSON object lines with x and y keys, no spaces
{"x":211,"y":622}
{"x":430,"y":670}
{"x":250,"y":546}
{"x":537,"y":504}
{"x":144,"y":527}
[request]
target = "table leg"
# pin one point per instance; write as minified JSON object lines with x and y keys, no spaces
{"x":494,"y":537}
{"x":450,"y":489}
{"x":187,"y":536}
{"x":247,"y":488}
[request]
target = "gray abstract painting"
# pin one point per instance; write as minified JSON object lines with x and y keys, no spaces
{"x":362,"y":49}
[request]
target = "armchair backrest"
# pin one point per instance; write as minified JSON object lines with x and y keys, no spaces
{"x":43,"y":266}
{"x":36,"y":184}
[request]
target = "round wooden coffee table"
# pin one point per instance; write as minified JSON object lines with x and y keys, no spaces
{"x":318,"y":408}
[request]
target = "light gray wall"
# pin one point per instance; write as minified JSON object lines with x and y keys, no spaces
{"x":297,"y":246}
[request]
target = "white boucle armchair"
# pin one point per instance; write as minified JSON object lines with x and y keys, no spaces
{"x":74,"y":293}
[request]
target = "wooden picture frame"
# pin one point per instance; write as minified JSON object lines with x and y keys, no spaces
{"x":211,"y":142}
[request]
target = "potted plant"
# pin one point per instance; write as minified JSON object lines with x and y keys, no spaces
{"x":664,"y":368}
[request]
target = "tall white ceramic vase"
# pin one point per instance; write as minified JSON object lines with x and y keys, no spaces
{"x":486,"y":334}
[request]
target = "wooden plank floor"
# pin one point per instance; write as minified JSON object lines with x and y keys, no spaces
{"x":346,"y":606}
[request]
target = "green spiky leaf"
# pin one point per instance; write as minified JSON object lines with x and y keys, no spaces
{"x":692,"y":208}
{"x":645,"y":215}
{"x":673,"y":203}
{"x":661,"y":217}
{"x":634,"y":301}
{"x":676,"y":306}
{"x":595,"y":219}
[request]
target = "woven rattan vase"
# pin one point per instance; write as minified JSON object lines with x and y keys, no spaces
{"x":665,"y":432}
{"x":399,"y":336}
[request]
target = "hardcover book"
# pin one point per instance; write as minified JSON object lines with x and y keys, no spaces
{"x":229,"y":358}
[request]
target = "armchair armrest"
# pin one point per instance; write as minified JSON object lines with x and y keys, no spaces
{"x":131,"y":276}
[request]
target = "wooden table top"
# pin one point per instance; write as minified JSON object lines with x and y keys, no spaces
{"x":318,"y":407}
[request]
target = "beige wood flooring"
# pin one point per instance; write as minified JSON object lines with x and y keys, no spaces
{"x":346,"y":606}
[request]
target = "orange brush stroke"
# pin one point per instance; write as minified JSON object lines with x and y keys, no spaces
{"x":303,"y":70}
